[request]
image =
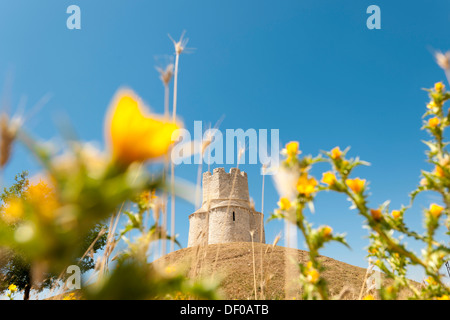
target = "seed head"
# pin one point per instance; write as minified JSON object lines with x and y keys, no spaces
{"x":166,"y":74}
{"x":443,"y":60}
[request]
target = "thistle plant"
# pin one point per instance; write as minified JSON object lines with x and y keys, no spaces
{"x":301,"y":189}
{"x":386,"y":228}
{"x":85,"y":186}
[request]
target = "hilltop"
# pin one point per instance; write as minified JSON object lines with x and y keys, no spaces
{"x":234,"y":265}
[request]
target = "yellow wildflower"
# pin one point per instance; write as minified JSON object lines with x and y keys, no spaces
{"x":13,"y":210}
{"x":292,"y":149}
{"x":369,"y":297}
{"x":439,"y":87}
{"x":434,"y":122}
{"x":305,"y":185}
{"x":376,"y":214}
{"x":431,"y":105}
{"x":284,"y":204}
{"x":12,"y":288}
{"x":329,"y":178}
{"x":313,"y":275}
{"x":390,"y":289}
{"x":444,"y":297}
{"x":134,"y":135}
{"x":327,"y":231}
{"x":431,"y":281}
{"x":336,"y":153}
{"x":148,"y":196}
{"x":439,"y":172}
{"x":70,"y":296}
{"x":43,"y":199}
{"x":396,"y":214}
{"x":443,"y":163}
{"x":169,"y":270}
{"x":356,"y":185}
{"x":435,"y":210}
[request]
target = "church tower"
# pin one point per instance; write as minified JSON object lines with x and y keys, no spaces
{"x":225,"y":214}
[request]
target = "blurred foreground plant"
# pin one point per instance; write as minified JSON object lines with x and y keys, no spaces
{"x":25,"y":204}
{"x":83,"y":187}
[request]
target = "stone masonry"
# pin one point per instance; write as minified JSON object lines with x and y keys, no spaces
{"x":225,"y":214}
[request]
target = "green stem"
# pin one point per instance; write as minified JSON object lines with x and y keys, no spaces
{"x":312,"y":251}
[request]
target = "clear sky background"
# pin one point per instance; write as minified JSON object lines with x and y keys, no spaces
{"x":309,"y":68}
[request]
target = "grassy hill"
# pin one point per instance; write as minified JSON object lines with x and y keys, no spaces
{"x":238,"y":265}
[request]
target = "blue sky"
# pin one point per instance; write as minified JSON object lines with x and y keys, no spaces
{"x":309,"y":68}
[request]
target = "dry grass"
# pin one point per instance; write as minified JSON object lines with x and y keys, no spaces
{"x":235,"y":266}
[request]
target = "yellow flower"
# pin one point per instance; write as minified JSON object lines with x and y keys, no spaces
{"x":431,"y":105}
{"x":329,"y":178}
{"x":390,"y":289}
{"x":13,"y":210}
{"x":134,"y":135}
{"x":306,"y":185}
{"x":435,"y":210}
{"x":284,"y":204}
{"x":396,"y":214}
{"x":327,"y":231}
{"x":439,"y":87}
{"x":70,"y":296}
{"x":443,"y":163}
{"x":369,"y":297}
{"x":376,"y":214}
{"x":356,"y":185}
{"x":431,"y":281}
{"x":336,"y":153}
{"x":12,"y":288}
{"x":43,"y":199}
{"x":148,"y":197}
{"x":444,"y":297}
{"x":313,"y":275}
{"x":439,"y":172}
{"x":169,"y":270}
{"x":292,"y":149}
{"x":434,"y":122}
